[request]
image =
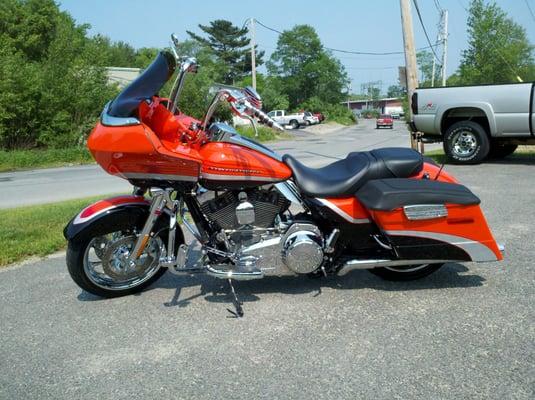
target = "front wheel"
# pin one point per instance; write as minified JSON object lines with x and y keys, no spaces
{"x":406,"y":272}
{"x":99,"y":263}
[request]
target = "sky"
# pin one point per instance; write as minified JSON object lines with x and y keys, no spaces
{"x":356,"y":25}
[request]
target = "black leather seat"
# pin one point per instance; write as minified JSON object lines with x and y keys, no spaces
{"x":345,"y":177}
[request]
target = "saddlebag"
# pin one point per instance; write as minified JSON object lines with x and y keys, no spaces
{"x":430,"y":220}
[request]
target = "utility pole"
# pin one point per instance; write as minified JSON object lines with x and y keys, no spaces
{"x":253,"y":51}
{"x":444,"y":44}
{"x":410,"y":55}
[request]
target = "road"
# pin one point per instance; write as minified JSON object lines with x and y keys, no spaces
{"x":56,"y":184}
{"x":467,"y":331}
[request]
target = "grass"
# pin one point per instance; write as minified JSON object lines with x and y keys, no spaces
{"x":36,"y":230}
{"x":521,"y":153}
{"x":264,"y":134}
{"x":43,"y":158}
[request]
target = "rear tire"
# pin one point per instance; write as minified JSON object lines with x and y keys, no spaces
{"x":294,"y":124}
{"x":498,"y":150}
{"x":466,"y":142}
{"x":405,"y":273}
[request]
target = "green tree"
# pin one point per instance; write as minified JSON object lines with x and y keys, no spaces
{"x":306,"y":69}
{"x":53,"y":84}
{"x":395,"y":91}
{"x":424,"y":60}
{"x":498,"y":48}
{"x":230,"y":45}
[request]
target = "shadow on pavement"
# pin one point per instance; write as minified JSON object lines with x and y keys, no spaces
{"x":217,"y":291}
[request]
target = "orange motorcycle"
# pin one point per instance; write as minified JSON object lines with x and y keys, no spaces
{"x":251,"y":212}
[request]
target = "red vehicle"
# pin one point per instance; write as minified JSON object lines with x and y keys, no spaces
{"x":386,"y":210}
{"x":385,"y":120}
{"x":319,"y":116}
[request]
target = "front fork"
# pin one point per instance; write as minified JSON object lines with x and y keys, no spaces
{"x":161,"y":202}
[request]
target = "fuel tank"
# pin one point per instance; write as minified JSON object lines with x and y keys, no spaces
{"x":237,"y":165}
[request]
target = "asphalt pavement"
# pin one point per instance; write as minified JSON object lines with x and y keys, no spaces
{"x":465,"y":332}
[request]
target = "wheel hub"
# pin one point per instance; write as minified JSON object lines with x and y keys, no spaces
{"x":464,"y":143}
{"x":116,"y":258}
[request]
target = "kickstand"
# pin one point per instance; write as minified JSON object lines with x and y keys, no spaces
{"x":235,"y":301}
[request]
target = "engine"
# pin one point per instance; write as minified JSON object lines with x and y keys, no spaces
{"x":250,"y":228}
{"x":236,"y":209}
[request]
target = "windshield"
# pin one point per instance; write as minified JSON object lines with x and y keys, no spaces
{"x":144,"y":86}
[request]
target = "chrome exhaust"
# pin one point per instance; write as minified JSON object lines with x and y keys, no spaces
{"x":369,"y":264}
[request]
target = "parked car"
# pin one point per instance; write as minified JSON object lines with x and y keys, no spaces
{"x":282,"y":117}
{"x":320,"y":117}
{"x":384,"y":120}
{"x":311,"y":119}
{"x":475,"y":122}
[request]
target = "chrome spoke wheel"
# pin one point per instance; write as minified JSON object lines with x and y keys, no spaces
{"x":107,"y":265}
{"x":464,"y":143}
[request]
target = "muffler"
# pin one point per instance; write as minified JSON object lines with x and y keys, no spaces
{"x":369,"y":264}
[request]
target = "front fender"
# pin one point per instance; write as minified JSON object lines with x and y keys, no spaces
{"x":92,"y":216}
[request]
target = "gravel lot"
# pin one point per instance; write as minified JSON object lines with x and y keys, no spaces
{"x":468,"y":331}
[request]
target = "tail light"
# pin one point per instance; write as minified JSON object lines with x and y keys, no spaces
{"x":414,"y":103}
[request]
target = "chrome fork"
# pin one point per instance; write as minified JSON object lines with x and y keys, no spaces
{"x":161,"y":201}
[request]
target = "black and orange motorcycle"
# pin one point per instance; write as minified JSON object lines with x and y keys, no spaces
{"x":251,"y":212}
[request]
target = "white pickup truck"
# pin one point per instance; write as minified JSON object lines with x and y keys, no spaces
{"x":283,"y":118}
{"x":475,"y":122}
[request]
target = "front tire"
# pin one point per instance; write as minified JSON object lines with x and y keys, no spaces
{"x":466,"y":142}
{"x":97,"y":262}
{"x":406,"y":272}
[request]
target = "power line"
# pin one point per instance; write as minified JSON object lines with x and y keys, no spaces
{"x":423,"y":27}
{"x":530,"y":10}
{"x":366,"y":53}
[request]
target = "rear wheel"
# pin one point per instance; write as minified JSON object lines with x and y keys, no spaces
{"x":405,"y":272}
{"x":466,"y":142}
{"x":294,"y":124}
{"x":498,"y":150}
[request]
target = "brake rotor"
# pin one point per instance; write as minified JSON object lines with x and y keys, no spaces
{"x":115,"y":259}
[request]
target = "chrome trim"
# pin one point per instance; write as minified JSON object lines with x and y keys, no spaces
{"x":230,"y":274}
{"x":418,"y":212}
{"x":501,"y":247}
{"x":352,"y":265}
{"x":109,"y":120}
{"x":290,"y":191}
{"x":342,"y":213}
{"x":188,"y":65}
{"x":477,"y":251}
{"x":220,"y":177}
{"x":165,"y":177}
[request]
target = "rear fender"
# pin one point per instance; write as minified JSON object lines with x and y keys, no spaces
{"x":92,"y":218}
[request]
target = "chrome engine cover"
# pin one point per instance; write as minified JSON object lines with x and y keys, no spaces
{"x":302,"y":248}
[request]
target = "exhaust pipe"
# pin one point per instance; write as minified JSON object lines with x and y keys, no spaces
{"x":369,"y":264}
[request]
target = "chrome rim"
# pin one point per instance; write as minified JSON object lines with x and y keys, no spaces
{"x":407,"y":268}
{"x":106,"y":261}
{"x":464,"y":143}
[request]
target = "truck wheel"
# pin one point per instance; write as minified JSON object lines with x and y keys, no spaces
{"x":498,"y":150}
{"x":466,"y":142}
{"x":294,"y":124}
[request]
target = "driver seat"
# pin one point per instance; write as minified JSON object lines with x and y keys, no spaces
{"x":344,"y":177}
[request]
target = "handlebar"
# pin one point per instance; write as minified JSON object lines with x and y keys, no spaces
{"x":262,"y":117}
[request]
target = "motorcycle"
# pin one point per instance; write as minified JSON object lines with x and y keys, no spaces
{"x":250,"y":212}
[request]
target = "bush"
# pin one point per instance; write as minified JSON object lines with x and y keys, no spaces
{"x":264,"y":134}
{"x":332,"y":112}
